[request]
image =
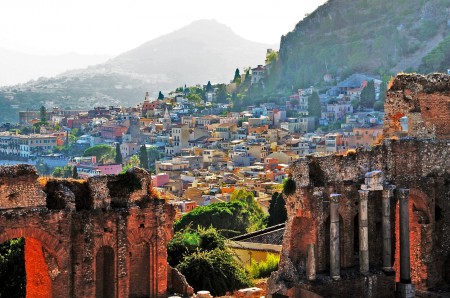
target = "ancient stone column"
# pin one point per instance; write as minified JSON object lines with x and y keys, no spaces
{"x":388,"y":192}
{"x":405,"y":288}
{"x":335,"y":261}
{"x":363,"y":232}
{"x":311,"y":263}
{"x":405,"y":267}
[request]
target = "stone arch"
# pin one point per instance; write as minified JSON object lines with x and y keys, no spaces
{"x":105,"y":277}
{"x":446,"y":271}
{"x":49,"y":255}
{"x":421,"y":240}
{"x":139,"y":255}
{"x":303,"y":231}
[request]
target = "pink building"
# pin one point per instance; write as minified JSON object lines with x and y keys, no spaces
{"x":160,"y":180}
{"x":88,"y":167}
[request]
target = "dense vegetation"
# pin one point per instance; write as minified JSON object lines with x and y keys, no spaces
{"x":241,"y":215}
{"x":200,"y":254}
{"x":264,"y":268}
{"x":12,"y":269}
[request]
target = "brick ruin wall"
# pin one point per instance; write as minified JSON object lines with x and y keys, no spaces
{"x":424,"y":100}
{"x":103,"y":237}
{"x":421,"y":164}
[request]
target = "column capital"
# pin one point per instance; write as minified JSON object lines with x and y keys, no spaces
{"x":388,"y":191}
{"x":403,"y":193}
{"x":335,"y":197}
{"x":363,"y":194}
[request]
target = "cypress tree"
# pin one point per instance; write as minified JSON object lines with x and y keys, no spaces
{"x":75,"y":172}
{"x":314,"y":108}
{"x":143,"y":157}
{"x":118,"y":157}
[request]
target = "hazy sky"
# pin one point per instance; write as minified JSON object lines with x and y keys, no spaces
{"x":114,"y":26}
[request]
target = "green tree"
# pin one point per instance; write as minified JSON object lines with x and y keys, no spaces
{"x":209,"y":87}
{"x":277,"y":210}
{"x":221,"y":93}
{"x":195,"y":98}
{"x":314,"y":107}
{"x":189,"y":240}
{"x":368,"y":95}
{"x":133,"y":162}
{"x":383,"y":89}
{"x":143,"y":157}
{"x":271,"y":56}
{"x":378,"y":105}
{"x":118,"y":157}
{"x":62,"y":172}
{"x":43,"y":114}
{"x":215,"y":271}
{"x":42,"y":167}
{"x":257,"y":217}
{"x":75,"y":172}
{"x":230,"y":219}
{"x":103,"y":152}
{"x":12,"y":268}
{"x":160,"y":96}
{"x":237,"y":76}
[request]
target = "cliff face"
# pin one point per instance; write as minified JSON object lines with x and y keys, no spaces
{"x":378,"y":37}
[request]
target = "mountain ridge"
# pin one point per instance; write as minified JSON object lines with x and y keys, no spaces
{"x":202,"y":51}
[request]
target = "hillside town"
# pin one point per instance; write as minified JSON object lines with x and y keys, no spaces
{"x":199,"y":153}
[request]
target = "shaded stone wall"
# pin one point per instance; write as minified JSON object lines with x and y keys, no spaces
{"x":69,"y":224}
{"x":423,"y":166}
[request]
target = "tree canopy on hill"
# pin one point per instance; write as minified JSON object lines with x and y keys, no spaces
{"x":343,"y":37}
{"x":102,"y":152}
{"x":241,"y":215}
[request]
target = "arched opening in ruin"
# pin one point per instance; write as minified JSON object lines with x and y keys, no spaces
{"x":303,"y":233}
{"x":104,"y":273}
{"x":421,"y":242}
{"x":341,"y":241}
{"x":404,"y":124}
{"x":43,"y":259}
{"x":446,"y":271}
{"x":356,"y":237}
{"x":140,"y":271}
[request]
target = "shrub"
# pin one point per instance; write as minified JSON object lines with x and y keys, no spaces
{"x":264,"y":268}
{"x":289,"y":186}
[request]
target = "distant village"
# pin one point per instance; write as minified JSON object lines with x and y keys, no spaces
{"x":203,"y":155}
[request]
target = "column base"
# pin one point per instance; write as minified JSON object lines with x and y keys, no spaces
{"x":389,"y":271}
{"x":336,"y":277}
{"x":405,"y":290}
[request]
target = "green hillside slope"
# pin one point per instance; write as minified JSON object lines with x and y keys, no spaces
{"x":344,"y":36}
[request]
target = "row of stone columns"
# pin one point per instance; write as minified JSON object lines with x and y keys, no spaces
{"x":364,"y":232}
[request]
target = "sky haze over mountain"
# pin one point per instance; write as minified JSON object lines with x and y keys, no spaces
{"x":114,"y":26}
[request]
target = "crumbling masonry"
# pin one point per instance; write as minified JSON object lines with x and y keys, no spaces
{"x":376,"y":223}
{"x":105,"y":237}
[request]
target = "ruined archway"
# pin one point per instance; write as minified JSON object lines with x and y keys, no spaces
{"x":304,"y":233}
{"x":105,"y":273}
{"x":140,"y":270}
{"x":44,"y":261}
{"x":421,"y":242}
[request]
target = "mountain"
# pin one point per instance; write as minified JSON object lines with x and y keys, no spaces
{"x":203,"y":51}
{"x":17,"y":67}
{"x":378,"y":37}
